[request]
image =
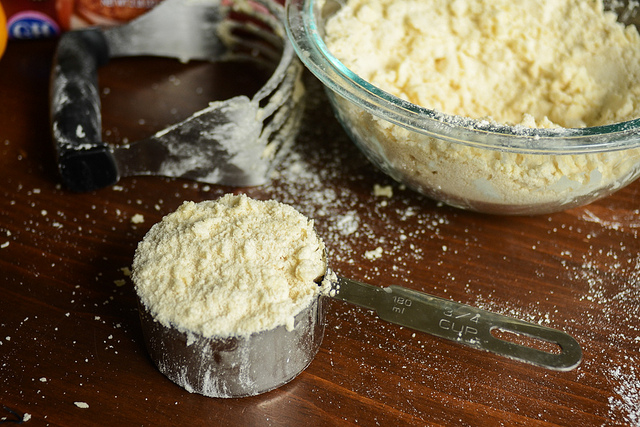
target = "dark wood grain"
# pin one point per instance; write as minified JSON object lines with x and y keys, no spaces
{"x":69,"y":329}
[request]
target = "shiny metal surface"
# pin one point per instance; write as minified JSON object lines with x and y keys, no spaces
{"x":236,"y":366}
{"x":461,"y":323}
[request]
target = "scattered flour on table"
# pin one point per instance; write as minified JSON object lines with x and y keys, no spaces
{"x":611,"y":281}
{"x":341,"y":218}
{"x":560,"y":63}
{"x":197,"y":269}
{"x":614,"y":286}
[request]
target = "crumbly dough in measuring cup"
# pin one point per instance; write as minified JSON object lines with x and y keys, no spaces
{"x":230,"y":267}
{"x":531,"y":63}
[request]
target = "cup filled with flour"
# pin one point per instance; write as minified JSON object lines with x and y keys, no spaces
{"x":501,"y":107}
{"x":229,"y":295}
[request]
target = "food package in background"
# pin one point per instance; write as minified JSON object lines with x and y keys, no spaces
{"x":73,"y":14}
{"x":38,"y":19}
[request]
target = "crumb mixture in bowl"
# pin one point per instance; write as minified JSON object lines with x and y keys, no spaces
{"x":512,"y":107}
{"x":551,"y":63}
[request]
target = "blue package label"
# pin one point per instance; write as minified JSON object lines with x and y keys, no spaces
{"x":30,"y":24}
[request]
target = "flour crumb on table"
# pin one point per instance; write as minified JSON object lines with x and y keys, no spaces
{"x":373,"y":254}
{"x":137,"y":219}
{"x":382,"y":190}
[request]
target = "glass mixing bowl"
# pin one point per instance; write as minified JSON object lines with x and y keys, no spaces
{"x":467,"y":163}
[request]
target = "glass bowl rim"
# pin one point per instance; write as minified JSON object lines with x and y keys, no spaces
{"x":303,"y":33}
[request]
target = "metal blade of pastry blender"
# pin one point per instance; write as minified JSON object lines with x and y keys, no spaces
{"x":232,"y":142}
{"x":461,"y":323}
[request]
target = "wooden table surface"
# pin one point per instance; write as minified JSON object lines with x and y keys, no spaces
{"x":71,"y":350}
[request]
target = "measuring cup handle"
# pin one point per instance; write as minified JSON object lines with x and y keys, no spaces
{"x":85,"y":162}
{"x":460,"y":323}
{"x":475,"y":327}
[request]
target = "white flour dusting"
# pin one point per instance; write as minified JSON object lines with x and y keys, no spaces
{"x":615,"y":289}
{"x":608,"y":282}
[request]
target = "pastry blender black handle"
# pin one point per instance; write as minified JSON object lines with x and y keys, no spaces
{"x":85,"y":162}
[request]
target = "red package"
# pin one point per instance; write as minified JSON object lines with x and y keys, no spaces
{"x":33,"y":19}
{"x":74,"y":14}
